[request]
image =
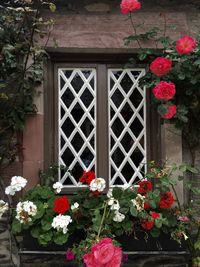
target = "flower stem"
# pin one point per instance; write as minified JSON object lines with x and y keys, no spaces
{"x":135,"y":31}
{"x":102,"y":220}
{"x":177,"y":199}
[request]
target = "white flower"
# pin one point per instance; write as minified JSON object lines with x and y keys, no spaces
{"x":98,"y":184}
{"x":61,"y":222}
{"x":10,"y":190}
{"x":114,"y":203}
{"x":17,"y":183}
{"x":25,"y":210}
{"x":3,"y":207}
{"x":109,"y":193}
{"x":74,"y":206}
{"x":138,"y":202}
{"x":58,"y":187}
{"x":119,"y":217}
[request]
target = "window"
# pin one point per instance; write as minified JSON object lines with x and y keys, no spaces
{"x":101,"y":122}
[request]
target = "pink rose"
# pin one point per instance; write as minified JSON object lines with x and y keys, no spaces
{"x":90,"y":260}
{"x":164,"y":90}
{"x":170,"y":112}
{"x":185,"y":45}
{"x":129,"y":6}
{"x":161,"y":66}
{"x":116,"y":259}
{"x":103,"y":254}
{"x":103,"y":251}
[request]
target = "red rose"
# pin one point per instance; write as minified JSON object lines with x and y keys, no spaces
{"x":146,"y":206}
{"x":129,"y":6}
{"x":155,"y":215}
{"x":87,"y":177}
{"x":185,"y":45}
{"x":170,"y":112}
{"x":148,"y":225}
{"x":61,"y":205}
{"x":166,"y":200}
{"x":164,"y":90}
{"x":145,"y":186}
{"x":161,"y":66}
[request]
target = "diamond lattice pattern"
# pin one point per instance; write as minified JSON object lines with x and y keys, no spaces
{"x":77,"y":123}
{"x":127,"y":126}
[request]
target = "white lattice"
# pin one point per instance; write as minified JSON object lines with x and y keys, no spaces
{"x":127,"y":126}
{"x":77,"y":121}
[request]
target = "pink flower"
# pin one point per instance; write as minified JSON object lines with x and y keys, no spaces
{"x":116,"y":259}
{"x":90,"y":260}
{"x":104,"y":250}
{"x":183,"y":218}
{"x":161,"y":66}
{"x":164,"y":90}
{"x":185,"y":45}
{"x":170,"y":112}
{"x":129,"y":6}
{"x":103,"y":254}
{"x":125,"y":257}
{"x":70,"y":255}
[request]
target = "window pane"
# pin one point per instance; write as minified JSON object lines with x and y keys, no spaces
{"x":77,"y":123}
{"x":127,"y":126}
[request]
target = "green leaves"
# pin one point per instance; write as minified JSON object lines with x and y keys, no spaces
{"x":59,"y":238}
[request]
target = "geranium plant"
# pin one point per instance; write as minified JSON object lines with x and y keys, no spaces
{"x":103,"y":216}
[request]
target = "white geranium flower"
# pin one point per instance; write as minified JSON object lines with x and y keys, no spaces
{"x":138,"y":202}
{"x":98,"y":184}
{"x":10,"y":190}
{"x":25,"y":210}
{"x":3,"y":207}
{"x":58,"y":187}
{"x":114,"y":203}
{"x":61,"y":222}
{"x":119,"y":217}
{"x":18,"y":182}
{"x":74,"y":206}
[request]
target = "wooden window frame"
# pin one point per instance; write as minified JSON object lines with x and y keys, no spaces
{"x":98,"y":59}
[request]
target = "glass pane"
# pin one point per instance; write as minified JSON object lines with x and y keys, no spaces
{"x":77,"y":133}
{"x":127,"y":150}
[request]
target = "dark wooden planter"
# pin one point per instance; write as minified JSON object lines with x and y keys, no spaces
{"x":153,"y":252}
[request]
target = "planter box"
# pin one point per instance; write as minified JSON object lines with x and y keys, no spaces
{"x":154,"y":252}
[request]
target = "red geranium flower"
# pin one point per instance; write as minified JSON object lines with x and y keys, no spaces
{"x":166,"y":200}
{"x":129,"y":6}
{"x":87,"y":177}
{"x":145,"y":186}
{"x":185,"y":45}
{"x":148,"y":225}
{"x":161,"y":66}
{"x":155,"y":215}
{"x":146,"y":206}
{"x":164,"y":90}
{"x":61,"y":205}
{"x":170,"y":112}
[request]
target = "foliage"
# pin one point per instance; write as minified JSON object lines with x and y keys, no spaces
{"x":124,"y":210}
{"x":184,"y":74}
{"x":21,"y":68}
